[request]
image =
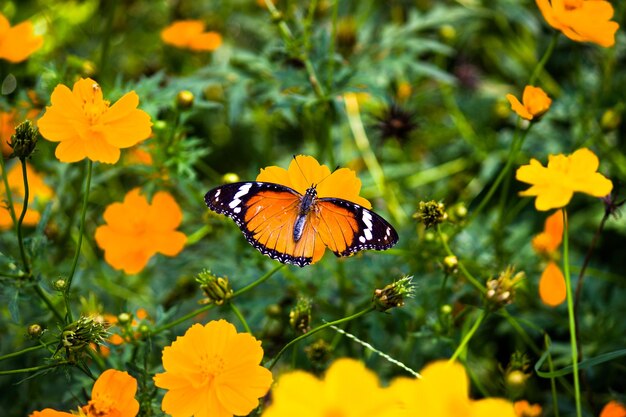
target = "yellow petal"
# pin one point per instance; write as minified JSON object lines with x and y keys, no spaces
{"x":518,"y":107}
{"x":491,"y":407}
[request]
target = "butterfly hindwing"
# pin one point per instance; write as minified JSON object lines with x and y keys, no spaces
{"x":356,"y":228}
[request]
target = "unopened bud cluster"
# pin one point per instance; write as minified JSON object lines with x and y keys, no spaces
{"x":431,"y":213}
{"x":393,"y":295}
{"x":24,"y":141}
{"x":78,"y":335}
{"x":216,"y":289}
{"x":300,"y":316}
{"x":501,"y":291}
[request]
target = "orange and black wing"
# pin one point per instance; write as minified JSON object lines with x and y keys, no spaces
{"x":346,"y":227}
{"x":266,"y":214}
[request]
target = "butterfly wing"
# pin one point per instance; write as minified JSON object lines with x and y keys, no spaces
{"x":346,"y":227}
{"x":266,"y":214}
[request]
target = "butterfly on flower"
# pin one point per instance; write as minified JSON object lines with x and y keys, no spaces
{"x":293,"y":215}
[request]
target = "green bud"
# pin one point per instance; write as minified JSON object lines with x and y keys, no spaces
{"x":230,"y":177}
{"x":78,"y":335}
{"x":450,"y":265}
{"x":393,"y":295}
{"x":124,"y":318}
{"x":60,"y":284}
{"x":24,"y":141}
{"x":501,"y":290}
{"x":184,"y":99}
{"x":35,"y":331}
{"x":217,"y":289}
{"x":431,"y":213}
{"x":300,"y":316}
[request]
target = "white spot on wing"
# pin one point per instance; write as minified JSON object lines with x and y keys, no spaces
{"x":243,"y":190}
{"x":237,"y":210}
{"x":361,"y":239}
{"x":367,"y":219}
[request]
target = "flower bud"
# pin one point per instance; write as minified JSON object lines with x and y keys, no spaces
{"x":431,"y":213}
{"x":124,"y":318}
{"x":24,"y":141}
{"x":393,"y":294}
{"x":217,"y":289}
{"x":611,"y":119}
{"x":60,"y":284}
{"x":318,"y":352}
{"x":35,"y":331}
{"x":230,"y":177}
{"x":184,"y":99}
{"x":447,"y":33}
{"x":501,"y":291}
{"x":300,"y":316}
{"x":78,"y":335}
{"x":450,"y":265}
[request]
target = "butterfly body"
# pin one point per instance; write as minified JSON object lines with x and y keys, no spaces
{"x":296,"y":228}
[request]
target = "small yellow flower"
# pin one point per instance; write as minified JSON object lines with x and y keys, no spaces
{"x":535,"y":102}
{"x":213,"y":371}
{"x":348,"y":389}
{"x":555,"y":184}
{"x":443,"y":391}
{"x":581,"y":20}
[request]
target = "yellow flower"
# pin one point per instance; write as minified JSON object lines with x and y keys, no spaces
{"x":535,"y":102}
{"x":555,"y":184}
{"x":552,"y":282}
{"x":348,"y":389}
{"x":136,"y":230}
{"x":213,"y":371}
{"x":86,"y":127}
{"x":581,"y":20}
{"x":18,"y":42}
{"x":613,"y":409}
{"x":443,"y":392}
{"x":37,"y":190}
{"x":190,"y":34}
{"x":113,"y":395}
{"x":524,"y":409}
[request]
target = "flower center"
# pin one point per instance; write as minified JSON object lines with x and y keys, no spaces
{"x":334,"y":412}
{"x":211,"y":366}
{"x":572,"y":4}
{"x":95,"y":107}
{"x":98,"y":408}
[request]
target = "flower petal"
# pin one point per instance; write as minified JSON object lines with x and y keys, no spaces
{"x":518,"y":107}
{"x":552,"y":289}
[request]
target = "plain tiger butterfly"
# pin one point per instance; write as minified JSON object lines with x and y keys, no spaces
{"x":295,"y":228}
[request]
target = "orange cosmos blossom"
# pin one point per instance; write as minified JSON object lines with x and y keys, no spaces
{"x":443,"y":391}
{"x":213,"y":371}
{"x":18,"y":42}
{"x":535,"y":102}
{"x":524,"y":409}
{"x":137,"y":230}
{"x":581,"y":20}
{"x":113,"y":395}
{"x":190,"y":34}
{"x":37,"y":190}
{"x":613,"y":409}
{"x":87,"y":127}
{"x":555,"y":184}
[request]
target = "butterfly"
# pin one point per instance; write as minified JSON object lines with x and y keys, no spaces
{"x":296,"y":228}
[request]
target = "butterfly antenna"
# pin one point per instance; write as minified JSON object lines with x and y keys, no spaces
{"x":331,"y":173}
{"x":300,"y":168}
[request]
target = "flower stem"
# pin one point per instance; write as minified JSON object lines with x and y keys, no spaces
{"x":66,"y":292}
{"x":555,"y":401}
{"x":7,"y":189}
{"x":258,"y":281}
{"x":467,"y":274}
{"x":570,"y":313}
{"x":273,"y":361}
{"x":544,"y":58}
{"x":468,"y":336}
{"x":240,"y":316}
{"x":35,"y":368}
{"x":47,"y":302}
{"x":23,"y":351}
{"x":20,"y":238}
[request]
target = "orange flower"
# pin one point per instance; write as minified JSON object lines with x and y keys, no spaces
{"x":524,"y":409}
{"x":581,"y":20}
{"x":113,"y":395}
{"x":189,"y":34}
{"x":129,"y":331}
{"x":555,"y":184}
{"x":552,"y":282}
{"x":213,"y":371}
{"x":535,"y":103}
{"x":613,"y":409}
{"x":305,"y":170}
{"x":37,"y":190}
{"x":443,"y":391}
{"x":18,"y":42}
{"x":86,"y":127}
{"x":136,"y":230}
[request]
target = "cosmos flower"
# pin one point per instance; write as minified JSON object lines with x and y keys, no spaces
{"x":213,"y":371}
{"x":535,"y":102}
{"x":581,"y":20}
{"x":555,"y":184}
{"x":136,"y":230}
{"x":86,"y":126}
{"x":190,"y":34}
{"x":17,"y":43}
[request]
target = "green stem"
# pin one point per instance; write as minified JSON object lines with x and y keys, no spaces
{"x":7,"y":189}
{"x":35,"y":368}
{"x":240,"y":317}
{"x":544,"y":58}
{"x":555,"y":401}
{"x":210,"y":306}
{"x":20,"y":238}
{"x":47,"y":302}
{"x":66,"y":292}
{"x":468,"y":336}
{"x":23,"y":351}
{"x":467,"y":274}
{"x":272,"y":362}
{"x":570,"y":313}
{"x":196,"y":236}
